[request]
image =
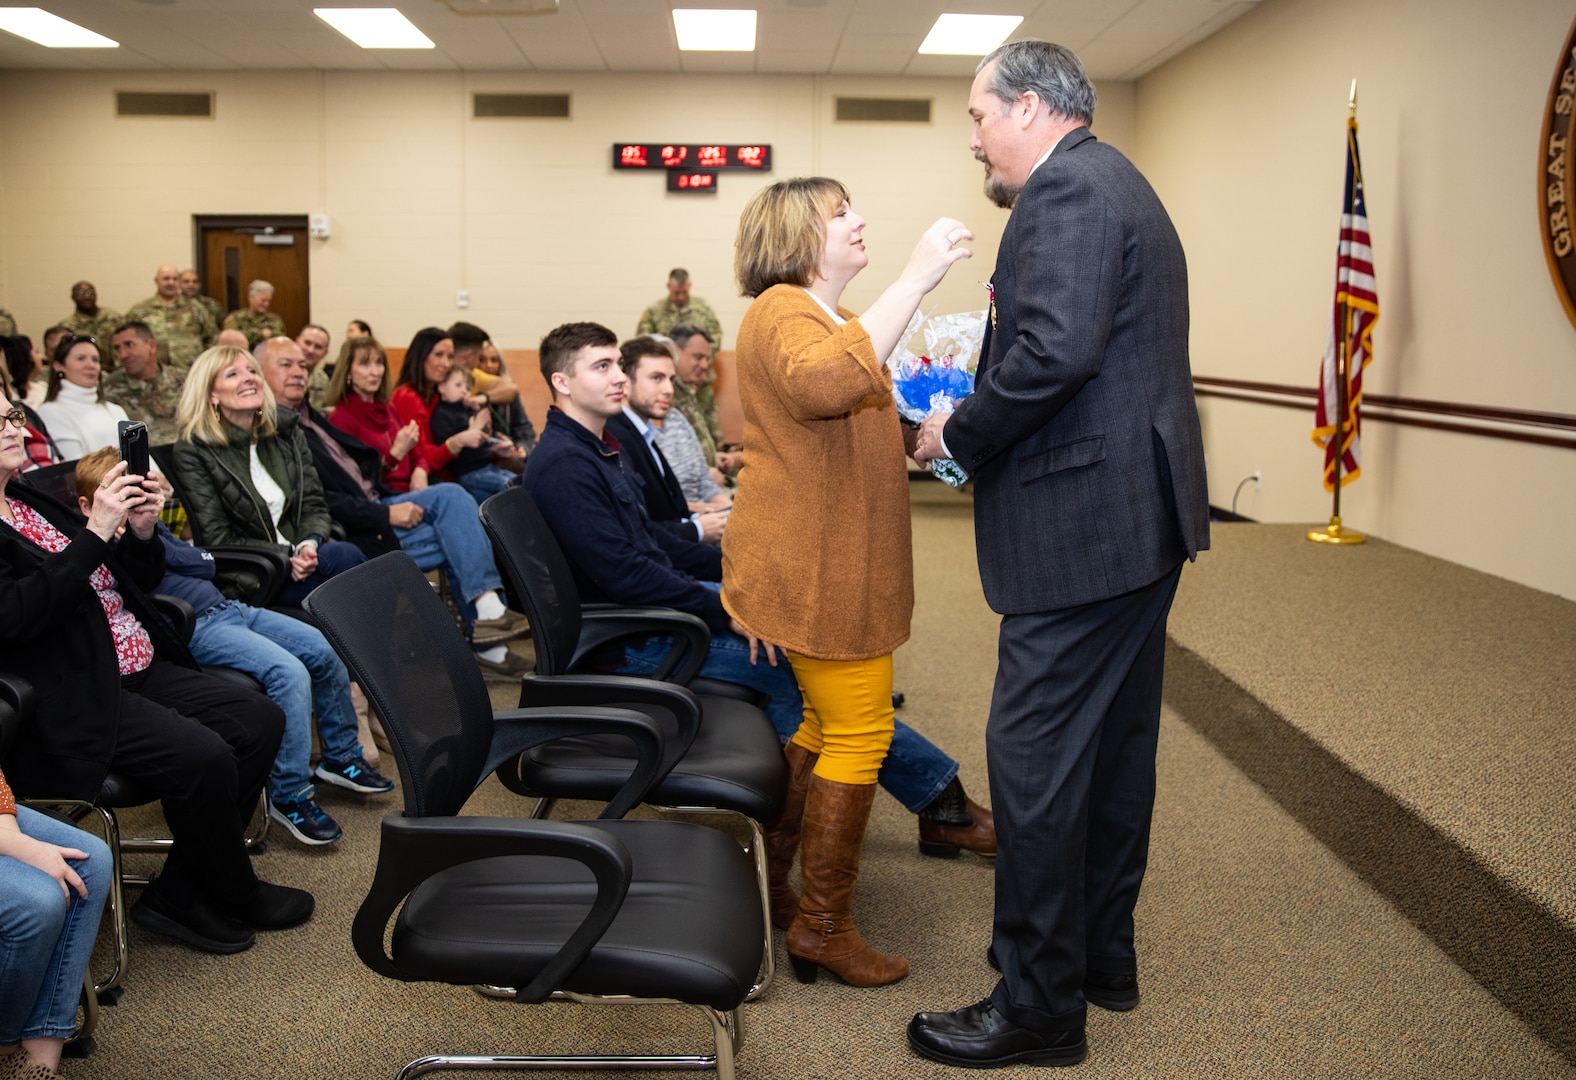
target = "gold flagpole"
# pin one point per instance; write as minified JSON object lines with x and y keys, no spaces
{"x":1334,"y":533}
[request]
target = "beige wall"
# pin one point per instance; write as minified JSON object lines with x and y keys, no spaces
{"x":526,"y":215}
{"x":1242,"y":136}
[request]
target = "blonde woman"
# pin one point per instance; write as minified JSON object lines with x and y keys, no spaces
{"x":245,"y":472}
{"x":817,"y":554}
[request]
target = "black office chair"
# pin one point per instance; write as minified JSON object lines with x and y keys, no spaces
{"x":606,"y":911}
{"x":734,"y":765}
{"x":17,"y":705}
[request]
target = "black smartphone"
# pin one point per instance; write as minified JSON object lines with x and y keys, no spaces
{"x":134,"y":446}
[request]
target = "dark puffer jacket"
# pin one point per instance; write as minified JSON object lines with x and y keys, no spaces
{"x":223,"y":504}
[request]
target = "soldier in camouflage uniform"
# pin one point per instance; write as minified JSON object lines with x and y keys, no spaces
{"x":7,"y":323}
{"x":90,"y":320}
{"x":182,"y":326}
{"x":191,"y":288}
{"x":313,"y":341}
{"x":693,"y":396}
{"x":146,"y":390}
{"x":678,"y":308}
{"x":256,"y":322}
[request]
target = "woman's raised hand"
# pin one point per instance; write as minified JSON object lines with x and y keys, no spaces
{"x":936,"y":251}
{"x":405,"y":440}
{"x":115,"y":496}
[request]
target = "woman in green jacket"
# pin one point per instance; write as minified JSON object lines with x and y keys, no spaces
{"x":246,"y":476}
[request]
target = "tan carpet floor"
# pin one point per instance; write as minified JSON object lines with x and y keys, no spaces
{"x":1261,"y":955}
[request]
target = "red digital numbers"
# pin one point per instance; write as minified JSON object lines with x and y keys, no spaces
{"x":690,"y":156}
{"x":696,"y":180}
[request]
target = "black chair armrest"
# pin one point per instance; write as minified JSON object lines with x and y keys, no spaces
{"x":414,"y":849}
{"x":18,"y":693}
{"x":178,"y":613}
{"x":540,"y":691}
{"x":517,"y":730}
{"x":271,"y":567}
{"x":17,"y":705}
{"x":691,"y":637}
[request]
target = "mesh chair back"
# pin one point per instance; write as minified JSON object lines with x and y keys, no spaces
{"x":387,"y":624}
{"x":59,"y":482}
{"x":529,"y":555}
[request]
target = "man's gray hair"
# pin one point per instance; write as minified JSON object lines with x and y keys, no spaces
{"x":259,"y":286}
{"x":1051,"y":71}
{"x":679,"y":276}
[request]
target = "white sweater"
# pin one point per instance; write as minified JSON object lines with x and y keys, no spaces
{"x":78,"y":423}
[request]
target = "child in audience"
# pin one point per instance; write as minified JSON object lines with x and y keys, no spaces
{"x":476,"y":468}
{"x":293,"y":661}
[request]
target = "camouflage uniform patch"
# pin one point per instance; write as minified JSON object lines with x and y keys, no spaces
{"x":7,"y":324}
{"x":317,"y":386}
{"x":182,"y":327}
{"x":256,"y":327}
{"x":700,"y":409}
{"x":662,"y":316}
{"x":153,"y":401}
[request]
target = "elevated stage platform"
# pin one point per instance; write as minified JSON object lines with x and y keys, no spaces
{"x":1416,"y":716}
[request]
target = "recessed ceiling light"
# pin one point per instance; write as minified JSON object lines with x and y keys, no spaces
{"x":969,"y":35}
{"x":375,"y":28}
{"x":706,"y":30}
{"x":38,"y":25}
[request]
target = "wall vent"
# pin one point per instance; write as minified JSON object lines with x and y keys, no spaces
{"x":520,"y":106}
{"x":164,"y":103}
{"x":883,"y":110}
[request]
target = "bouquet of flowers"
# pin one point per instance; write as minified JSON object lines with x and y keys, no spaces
{"x":934,"y":381}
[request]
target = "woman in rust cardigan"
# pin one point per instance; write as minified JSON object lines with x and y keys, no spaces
{"x":817,"y":555}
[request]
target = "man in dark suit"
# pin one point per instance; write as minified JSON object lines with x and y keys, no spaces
{"x":1083,"y":441}
{"x":649,"y":365}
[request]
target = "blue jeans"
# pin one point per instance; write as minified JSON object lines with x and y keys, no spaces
{"x":485,"y":482}
{"x":45,"y":942}
{"x":915,"y":770}
{"x":451,"y":536}
{"x":299,"y":671}
{"x":333,"y":557}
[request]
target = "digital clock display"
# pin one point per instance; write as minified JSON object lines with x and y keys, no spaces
{"x":690,"y":156}
{"x":679,"y":180}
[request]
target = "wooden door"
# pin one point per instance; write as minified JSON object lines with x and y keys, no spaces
{"x":237,"y":252}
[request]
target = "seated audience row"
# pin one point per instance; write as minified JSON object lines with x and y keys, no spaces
{"x":75,"y":616}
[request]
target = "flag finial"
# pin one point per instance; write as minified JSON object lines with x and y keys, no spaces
{"x":1351,"y":103}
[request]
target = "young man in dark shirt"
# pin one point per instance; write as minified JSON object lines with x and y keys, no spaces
{"x":578,"y":481}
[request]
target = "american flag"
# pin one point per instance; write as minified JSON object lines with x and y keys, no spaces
{"x":1356,"y":311}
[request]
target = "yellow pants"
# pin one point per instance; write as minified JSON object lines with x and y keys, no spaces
{"x":847,"y":715}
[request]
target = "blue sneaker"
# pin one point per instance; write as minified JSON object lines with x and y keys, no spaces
{"x":353,"y":775}
{"x":306,"y":820}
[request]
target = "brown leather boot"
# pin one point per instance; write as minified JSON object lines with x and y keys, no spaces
{"x":782,"y":835}
{"x":823,"y":934}
{"x":954,"y":822}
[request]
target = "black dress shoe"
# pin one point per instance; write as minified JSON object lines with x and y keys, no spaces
{"x":276,"y":907}
{"x":1118,"y":993}
{"x":979,"y":1037}
{"x":197,"y":924}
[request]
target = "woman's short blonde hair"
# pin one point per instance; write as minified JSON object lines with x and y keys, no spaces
{"x":197,"y":419}
{"x":782,"y":233}
{"x":339,"y":383}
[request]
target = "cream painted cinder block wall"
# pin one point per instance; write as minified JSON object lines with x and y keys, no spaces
{"x":527,"y":216}
{"x":1243,"y":138}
